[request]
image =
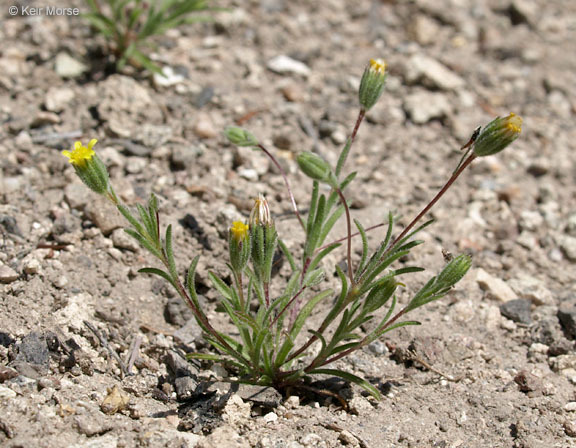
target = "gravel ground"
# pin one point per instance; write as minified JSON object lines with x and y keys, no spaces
{"x":493,"y":364}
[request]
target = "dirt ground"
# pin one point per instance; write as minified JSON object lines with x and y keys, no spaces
{"x":493,"y":364}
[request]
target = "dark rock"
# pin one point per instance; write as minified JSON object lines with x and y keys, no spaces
{"x":186,"y":387}
{"x":204,"y":97}
{"x":179,"y":366}
{"x":7,"y":373}
{"x":190,"y":333}
{"x":183,"y":157}
{"x":546,"y":331}
{"x":528,"y":382}
{"x":561,"y":346}
{"x":177,"y":312}
{"x":33,"y":349}
{"x":259,"y":395}
{"x":6,"y":340}
{"x":517,"y":310}
{"x":567,"y":316}
{"x":9,"y":223}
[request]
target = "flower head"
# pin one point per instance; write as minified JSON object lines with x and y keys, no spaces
{"x":498,"y":134}
{"x":80,"y":154}
{"x":239,"y":246}
{"x":378,"y":66}
{"x":89,"y":167}
{"x":239,"y":231}
{"x":260,"y":214}
{"x":372,"y":83}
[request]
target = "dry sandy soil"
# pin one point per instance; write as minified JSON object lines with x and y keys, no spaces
{"x":493,"y":364}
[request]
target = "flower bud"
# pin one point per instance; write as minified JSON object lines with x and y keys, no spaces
{"x":372,"y":83}
{"x":316,"y":167}
{"x":238,"y":231}
{"x":240,"y":137}
{"x":89,"y":167}
{"x":498,"y":134}
{"x":239,"y":246}
{"x":260,"y":214}
{"x":454,"y":270}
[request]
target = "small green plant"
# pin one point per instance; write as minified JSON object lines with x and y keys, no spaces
{"x":272,"y":349}
{"x":128,"y":25}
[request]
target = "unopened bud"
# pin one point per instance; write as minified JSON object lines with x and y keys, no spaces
{"x":498,"y":134}
{"x":240,"y":137}
{"x":260,"y":214}
{"x":372,"y":83}
{"x":315,"y":167}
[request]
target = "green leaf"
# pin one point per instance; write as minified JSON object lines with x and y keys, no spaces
{"x":205,"y":357}
{"x":144,"y":243}
{"x":126,"y":213}
{"x":414,"y":232}
{"x":351,"y":378}
{"x":140,"y":58}
{"x":306,"y":311}
{"x":219,"y":284}
{"x":343,"y":156}
{"x":159,"y":273}
{"x":322,"y":254}
{"x":398,"y":325}
{"x":313,"y":278}
{"x":287,"y":254}
{"x":321,"y":338}
{"x":170,"y":252}
{"x":362,"y":232}
{"x":313,"y":208}
{"x":298,"y":324}
{"x":191,"y":281}
{"x":145,"y":219}
{"x":330,"y":223}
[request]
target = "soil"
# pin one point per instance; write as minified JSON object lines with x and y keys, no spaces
{"x":493,"y":363}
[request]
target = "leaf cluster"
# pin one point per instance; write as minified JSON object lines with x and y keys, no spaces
{"x":128,"y":25}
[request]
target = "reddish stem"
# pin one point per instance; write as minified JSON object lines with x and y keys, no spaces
{"x":283,"y":173}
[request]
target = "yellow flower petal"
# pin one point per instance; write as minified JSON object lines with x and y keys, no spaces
{"x":239,"y":230}
{"x":80,"y":154}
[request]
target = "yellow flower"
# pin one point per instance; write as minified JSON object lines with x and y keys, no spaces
{"x":80,"y":154}
{"x":239,"y":231}
{"x":378,"y":65}
{"x":90,"y":168}
{"x":513,"y":123}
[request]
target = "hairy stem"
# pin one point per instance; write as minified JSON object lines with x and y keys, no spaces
{"x":287,"y":306}
{"x":349,"y":238}
{"x":349,"y":142}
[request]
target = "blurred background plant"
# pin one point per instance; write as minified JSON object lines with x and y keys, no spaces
{"x":128,"y":25}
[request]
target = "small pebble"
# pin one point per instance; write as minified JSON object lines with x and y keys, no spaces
{"x":286,"y":65}
{"x":495,"y":288}
{"x":271,"y":417}
{"x":7,"y":274}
